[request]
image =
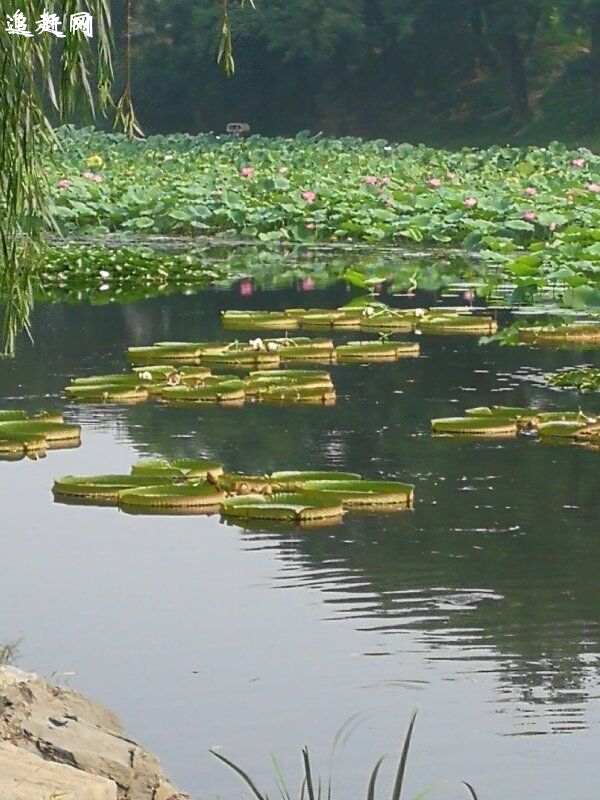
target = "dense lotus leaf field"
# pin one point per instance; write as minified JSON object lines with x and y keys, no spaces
{"x":530,"y":215}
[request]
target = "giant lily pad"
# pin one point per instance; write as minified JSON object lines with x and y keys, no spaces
{"x":202,"y":496}
{"x":101,"y":489}
{"x":457,"y":324}
{"x":107,"y":393}
{"x":223,"y":392}
{"x":577,"y":333}
{"x":54,"y":432}
{"x":301,"y":507}
{"x":258,"y":320}
{"x":189,"y":469}
{"x":475,"y":426}
{"x":364,"y":493}
{"x":376,"y":351}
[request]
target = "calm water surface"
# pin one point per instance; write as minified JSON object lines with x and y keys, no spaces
{"x":480,"y":607}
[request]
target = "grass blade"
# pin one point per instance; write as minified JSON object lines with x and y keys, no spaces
{"x":472,"y":791}
{"x":309,"y":783}
{"x":373,"y":779}
{"x":246,"y":778}
{"x":403,"y":758}
{"x":281,"y":784}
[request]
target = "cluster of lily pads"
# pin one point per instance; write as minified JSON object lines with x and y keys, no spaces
{"x":22,"y":435}
{"x":369,"y":316}
{"x":581,"y":333}
{"x":178,"y":384}
{"x":504,"y":421}
{"x":188,"y":486}
{"x":584,"y":379}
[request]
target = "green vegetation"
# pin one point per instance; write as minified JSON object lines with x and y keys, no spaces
{"x":527,"y":217}
{"x":584,"y":379}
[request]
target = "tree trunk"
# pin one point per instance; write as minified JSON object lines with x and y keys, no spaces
{"x":514,"y":58}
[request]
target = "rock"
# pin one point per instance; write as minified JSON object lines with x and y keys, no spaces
{"x":62,"y":726}
{"x":24,"y":776}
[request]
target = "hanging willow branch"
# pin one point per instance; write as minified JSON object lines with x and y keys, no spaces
{"x":225,"y":48}
{"x":125,"y":118}
{"x":37,"y":67}
{"x":32,"y":67}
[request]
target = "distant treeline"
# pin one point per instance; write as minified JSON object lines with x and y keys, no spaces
{"x":366,"y":67}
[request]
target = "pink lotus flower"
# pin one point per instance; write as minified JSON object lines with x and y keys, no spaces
{"x":433,"y":183}
{"x":64,"y":183}
{"x":530,"y":191}
{"x":469,"y":295}
{"x":578,"y":162}
{"x":529,"y":216}
{"x":470,"y":202}
{"x":385,"y":181}
{"x":310,"y":226}
{"x":552,"y":227}
{"x":246,"y":172}
{"x":246,"y":288}
{"x":451,"y":175}
{"x":593,"y":187}
{"x":307,"y":284}
{"x":282,"y":170}
{"x":218,"y":193}
{"x":310,"y":197}
{"x":370,"y":180}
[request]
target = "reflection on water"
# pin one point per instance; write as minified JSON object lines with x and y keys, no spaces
{"x":492,"y":576}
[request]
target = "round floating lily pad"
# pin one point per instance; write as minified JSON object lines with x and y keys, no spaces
{"x":228,"y":391}
{"x":560,"y":334}
{"x":289,"y":373}
{"x":188,"y":468}
{"x":458,"y":324}
{"x":302,"y":507}
{"x":475,"y":426}
{"x":308,"y":355}
{"x":560,"y":428}
{"x":202,"y":495}
{"x":522,"y":416}
{"x":243,"y":358}
{"x":364,"y":493}
{"x":107,"y":393}
{"x":102,"y":489}
{"x":295,"y":480}
{"x":263,"y":320}
{"x":300,"y":341}
{"x":51,"y":431}
{"x":376,"y":351}
{"x":121,"y":379}
{"x":296,"y":394}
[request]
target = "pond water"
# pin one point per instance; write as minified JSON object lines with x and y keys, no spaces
{"x":479,"y":607}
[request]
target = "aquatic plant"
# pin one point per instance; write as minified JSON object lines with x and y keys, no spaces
{"x":322,"y":790}
{"x":584,"y":379}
